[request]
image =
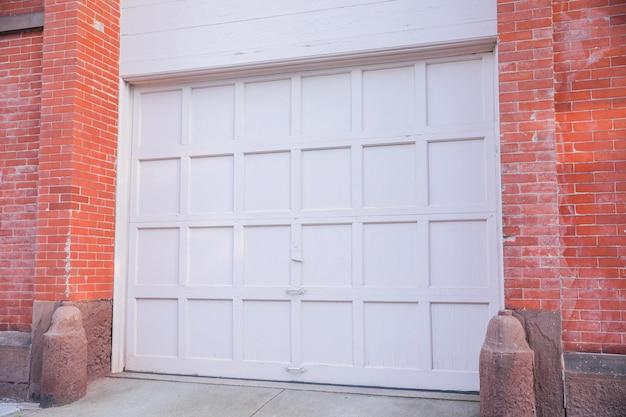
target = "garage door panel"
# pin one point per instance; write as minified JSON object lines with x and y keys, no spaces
{"x":389,"y":99}
{"x":457,"y":331}
{"x":267,"y":256}
{"x":326,"y":226}
{"x":160,"y":120}
{"x":267,"y":331}
{"x":455,"y":92}
{"x":158,"y":191}
{"x":327,"y":105}
{"x":210,"y":329}
{"x":156,"y":327}
{"x":326,"y":179}
{"x":465,"y":241}
{"x":327,"y":333}
{"x":212,"y":115}
{"x":327,"y":254}
{"x":157,"y":260}
{"x":267,"y":179}
{"x":390,"y":176}
{"x":211,"y":184}
{"x":267,"y":115}
{"x":392,"y":335}
{"x":210,"y":256}
{"x":389,"y":254}
{"x":457,"y":173}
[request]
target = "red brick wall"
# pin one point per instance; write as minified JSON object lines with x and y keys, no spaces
{"x":58,"y":130}
{"x":590,"y":74}
{"x":13,"y":7}
{"x":563,"y":134}
{"x":20,"y":86}
{"x":562,"y":98}
{"x":77,"y":150}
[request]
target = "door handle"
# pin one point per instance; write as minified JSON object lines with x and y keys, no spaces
{"x":295,"y":369}
{"x":295,"y":291}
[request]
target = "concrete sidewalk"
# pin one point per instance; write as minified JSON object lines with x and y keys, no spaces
{"x":124,"y":397}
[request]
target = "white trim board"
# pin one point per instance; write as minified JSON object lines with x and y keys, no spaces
{"x":325,"y":61}
{"x":192,"y":34}
{"x":122,"y":201}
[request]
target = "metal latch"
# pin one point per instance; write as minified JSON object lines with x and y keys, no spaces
{"x":295,"y":291}
{"x":295,"y":369}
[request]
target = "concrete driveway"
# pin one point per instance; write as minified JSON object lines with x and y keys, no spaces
{"x":125,"y":397}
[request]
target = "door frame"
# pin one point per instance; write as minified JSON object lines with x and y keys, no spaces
{"x":125,"y":128}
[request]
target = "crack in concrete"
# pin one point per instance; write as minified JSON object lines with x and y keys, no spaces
{"x":266,"y":403}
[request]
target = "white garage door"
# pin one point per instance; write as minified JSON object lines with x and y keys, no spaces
{"x":335,"y":226}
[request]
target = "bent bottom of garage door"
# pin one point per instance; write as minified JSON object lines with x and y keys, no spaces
{"x":333,"y":226}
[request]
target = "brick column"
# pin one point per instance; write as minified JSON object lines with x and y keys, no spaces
{"x":590,"y":71}
{"x":77,"y":150}
{"x":529,"y":181}
{"x":530,"y":210}
{"x":77,"y":157}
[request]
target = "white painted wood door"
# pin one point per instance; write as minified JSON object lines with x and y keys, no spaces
{"x":336,"y":226}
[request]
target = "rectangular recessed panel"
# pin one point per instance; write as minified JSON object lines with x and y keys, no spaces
{"x":392,"y":335}
{"x":210,"y":255}
{"x":160,"y":119}
{"x":323,"y":322}
{"x":159,"y":187}
{"x":389,"y":99}
{"x":267,"y":255}
{"x":389,"y":176}
{"x":327,"y":255}
{"x":267,"y":111}
{"x":390,"y":254}
{"x":326,"y":105}
{"x":212,"y":114}
{"x":210,"y":329}
{"x":454,"y":92}
{"x":267,"y":181}
{"x":156,"y":327}
{"x":266,"y":331}
{"x":211,"y":184}
{"x":456,"y":172}
{"x":458,"y":254}
{"x":458,"y":331}
{"x":326,"y":179}
{"x":157,"y":256}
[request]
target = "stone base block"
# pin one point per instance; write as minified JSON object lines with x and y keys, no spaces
{"x":97,"y":322}
{"x":64,"y":370}
{"x":543,"y":332}
{"x":14,"y":356}
{"x":595,"y":385}
{"x":14,"y":364}
{"x":13,"y":391}
{"x":506,"y":370}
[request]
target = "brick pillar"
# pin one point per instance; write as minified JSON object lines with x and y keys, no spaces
{"x":590,"y":70}
{"x":529,"y":197}
{"x":530,"y":210}
{"x":77,"y":150}
{"x":77,"y":156}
